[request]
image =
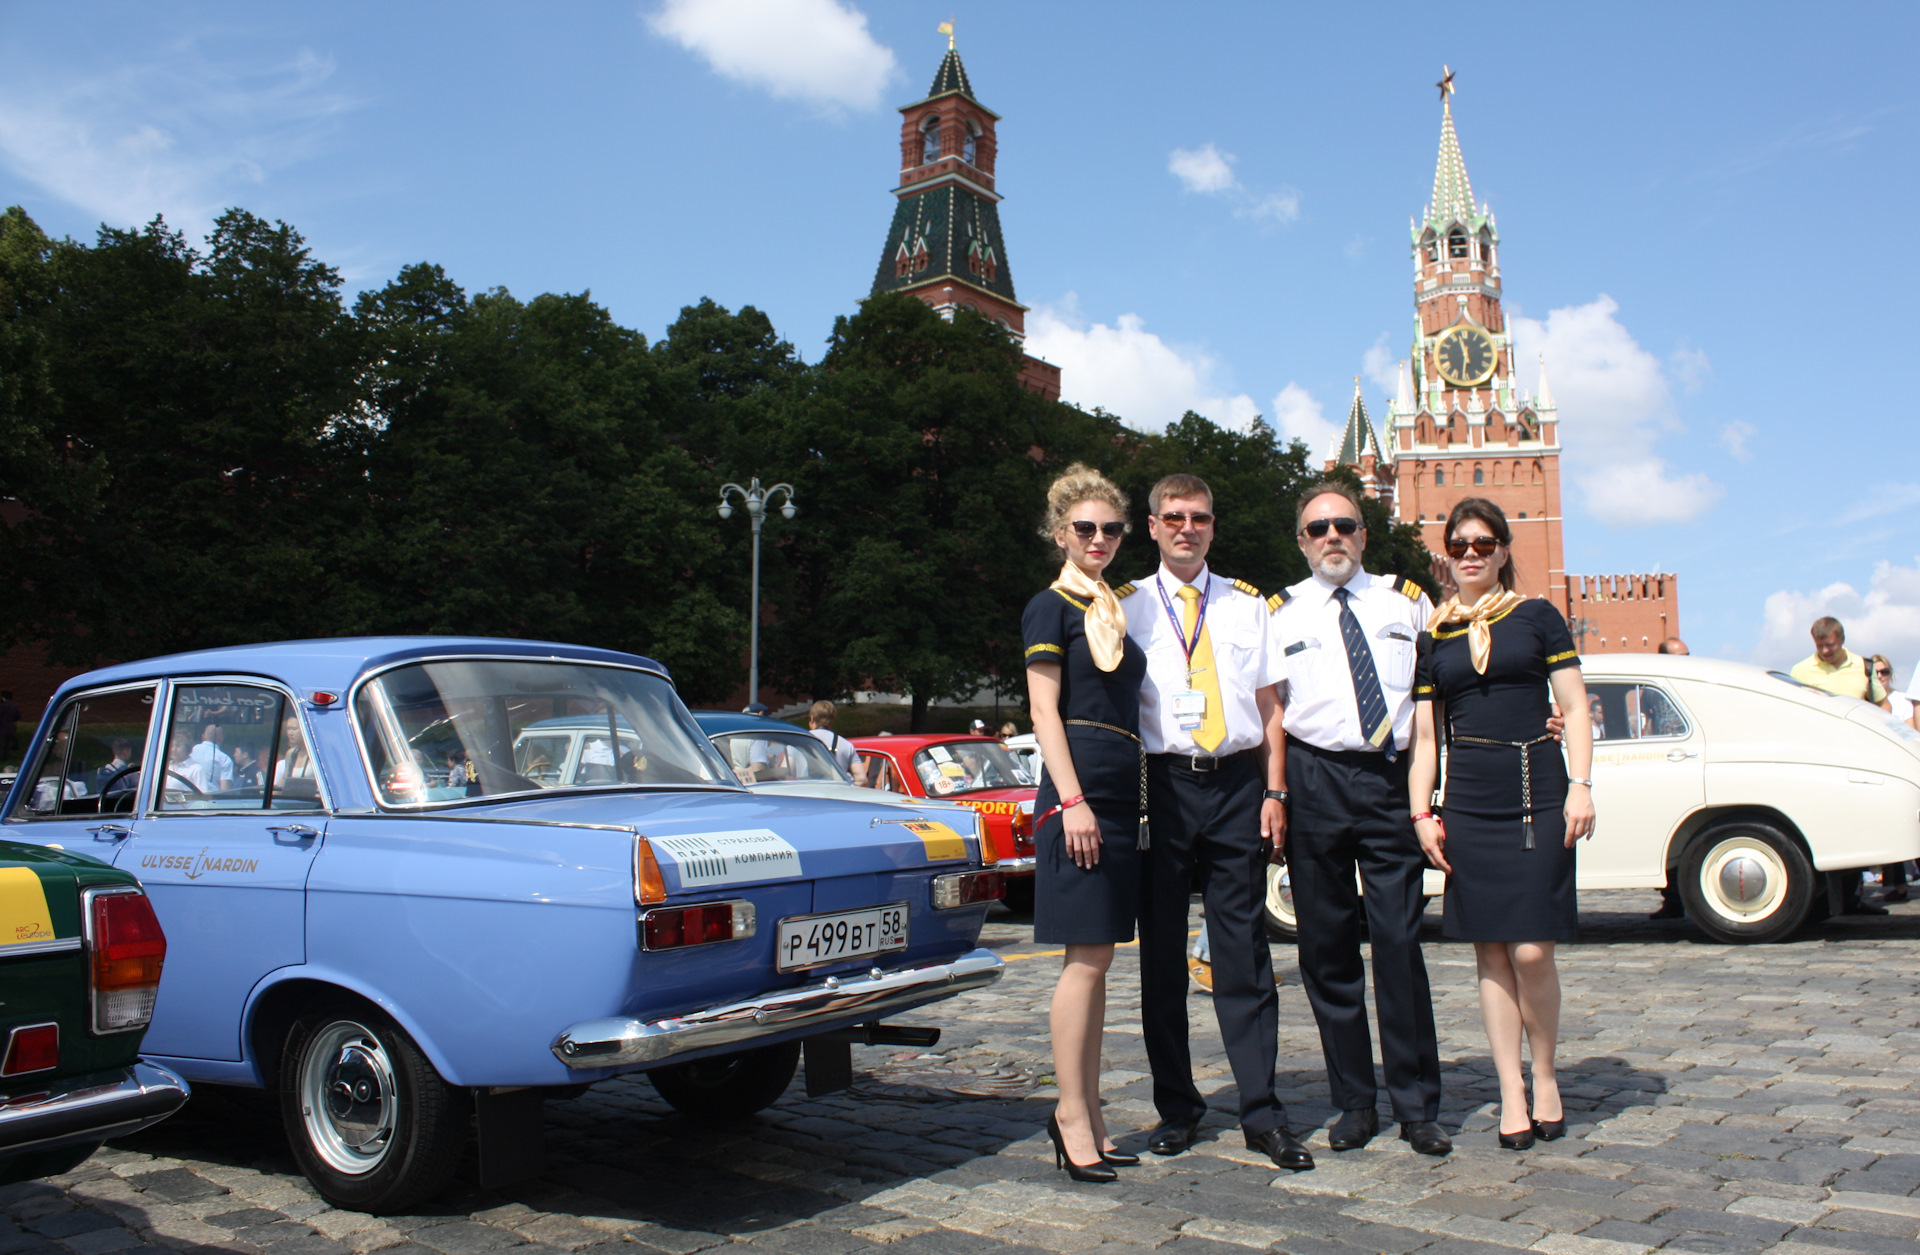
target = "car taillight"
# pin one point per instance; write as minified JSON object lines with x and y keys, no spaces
{"x":697,"y":925}
{"x":1023,"y":832}
{"x":968,"y":889}
{"x":127,"y":949}
{"x":648,"y":884}
{"x":32,"y":1048}
{"x":984,"y":839}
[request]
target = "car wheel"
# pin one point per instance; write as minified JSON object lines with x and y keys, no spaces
{"x":1746,"y":882}
{"x":729,"y":1086}
{"x":371,"y":1122}
{"x":1282,"y":923}
{"x":1019,"y":895}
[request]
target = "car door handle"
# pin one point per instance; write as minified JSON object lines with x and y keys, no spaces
{"x":297,"y":832}
{"x":1681,"y":756}
{"x":110,"y":832}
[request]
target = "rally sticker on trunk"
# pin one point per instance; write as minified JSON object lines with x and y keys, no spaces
{"x":729,"y":858}
{"x":941,"y":841}
{"x":23,"y":907}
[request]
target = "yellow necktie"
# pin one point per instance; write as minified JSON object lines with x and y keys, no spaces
{"x":1202,"y":674}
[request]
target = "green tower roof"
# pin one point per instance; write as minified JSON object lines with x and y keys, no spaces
{"x":950,"y":77}
{"x":1359,"y":438}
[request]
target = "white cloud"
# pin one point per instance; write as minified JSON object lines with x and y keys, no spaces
{"x":1130,"y":371}
{"x":1883,"y":620}
{"x":1615,"y":403}
{"x":184,"y":134}
{"x":1204,"y":169}
{"x":1734,"y":437}
{"x":1298,"y":416}
{"x":1690,"y":367}
{"x":1280,"y":206}
{"x":817,"y":51}
{"x":1381,"y":366}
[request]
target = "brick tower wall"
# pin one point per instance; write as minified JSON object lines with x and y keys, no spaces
{"x":1623,"y":614}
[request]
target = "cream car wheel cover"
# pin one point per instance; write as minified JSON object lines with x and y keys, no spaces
{"x":1743,"y":879}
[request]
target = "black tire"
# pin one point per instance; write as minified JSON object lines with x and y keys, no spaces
{"x":729,"y":1087}
{"x":1282,"y":923}
{"x":1019,"y":895}
{"x":393,"y":1135}
{"x":1747,"y":882}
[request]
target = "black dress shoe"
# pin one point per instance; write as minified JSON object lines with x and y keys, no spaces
{"x":1172,"y":1136}
{"x":1669,"y":910}
{"x":1354,"y":1129}
{"x":1118,"y":1158}
{"x":1283,"y":1148}
{"x":1426,"y":1137}
{"x":1867,"y":908}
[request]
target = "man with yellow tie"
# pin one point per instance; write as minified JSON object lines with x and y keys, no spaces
{"x":1209,"y":718}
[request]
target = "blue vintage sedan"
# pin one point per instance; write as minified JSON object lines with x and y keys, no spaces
{"x":418,"y":885}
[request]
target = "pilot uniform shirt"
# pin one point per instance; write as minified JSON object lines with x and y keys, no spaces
{"x":1236,"y":623}
{"x":1316,"y":684}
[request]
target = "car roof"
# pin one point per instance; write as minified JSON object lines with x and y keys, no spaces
{"x":918,"y":740}
{"x":334,"y":663}
{"x":1681,"y":666}
{"x":718,"y":722}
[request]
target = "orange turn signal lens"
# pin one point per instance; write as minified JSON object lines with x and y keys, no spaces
{"x":649,"y":886}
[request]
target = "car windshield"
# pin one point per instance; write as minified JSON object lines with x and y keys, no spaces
{"x":967,"y":767}
{"x":439,"y":732}
{"x":759,"y":757}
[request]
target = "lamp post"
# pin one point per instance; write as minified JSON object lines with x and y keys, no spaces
{"x":756,"y":499}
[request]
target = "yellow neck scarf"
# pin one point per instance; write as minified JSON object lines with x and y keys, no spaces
{"x":1477,"y":617}
{"x":1106,"y":621}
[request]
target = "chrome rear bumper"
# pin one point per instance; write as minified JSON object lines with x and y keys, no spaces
{"x":89,"y":1108}
{"x":1015,"y":866}
{"x":619,"y":1042}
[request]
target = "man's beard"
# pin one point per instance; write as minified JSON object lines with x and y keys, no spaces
{"x":1336,"y":567}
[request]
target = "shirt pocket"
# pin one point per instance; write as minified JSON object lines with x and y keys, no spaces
{"x":1394,"y":656}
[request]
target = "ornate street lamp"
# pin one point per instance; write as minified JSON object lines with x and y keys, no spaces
{"x":756,"y":499}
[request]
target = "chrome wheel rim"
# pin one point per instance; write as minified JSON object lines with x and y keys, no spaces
{"x":1280,"y":895}
{"x":1743,"y":879}
{"x":347,"y":1098}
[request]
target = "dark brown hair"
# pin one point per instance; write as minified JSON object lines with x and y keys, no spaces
{"x":1496,"y":520}
{"x":1179,"y":485}
{"x":1327,"y":488}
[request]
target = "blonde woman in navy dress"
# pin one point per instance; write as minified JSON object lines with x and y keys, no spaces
{"x":1083,"y":688}
{"x":1512,"y":812}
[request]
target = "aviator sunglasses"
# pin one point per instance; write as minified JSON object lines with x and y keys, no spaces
{"x":1318,"y":528}
{"x":1177,"y":520}
{"x":1085,"y":528}
{"x":1482,"y":546}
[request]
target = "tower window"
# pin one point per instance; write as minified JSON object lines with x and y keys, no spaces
{"x":1432,"y":250}
{"x":1439,"y":476}
{"x":1457,"y":244}
{"x":1523,"y":514}
{"x":930,"y":143}
{"x":1479,"y":476}
{"x":969,"y":145}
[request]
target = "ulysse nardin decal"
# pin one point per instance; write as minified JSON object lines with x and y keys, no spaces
{"x":198,"y":865}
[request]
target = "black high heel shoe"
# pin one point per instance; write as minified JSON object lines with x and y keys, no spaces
{"x":1119,"y":1158}
{"x":1517,"y":1141}
{"x":1550,"y":1130}
{"x":1098,"y":1173}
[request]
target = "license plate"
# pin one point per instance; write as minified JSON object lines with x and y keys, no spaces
{"x":811,"y":940}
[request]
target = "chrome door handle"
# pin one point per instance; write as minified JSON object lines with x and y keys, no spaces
{"x":110,"y":832}
{"x":1681,"y":756}
{"x":299,"y":832}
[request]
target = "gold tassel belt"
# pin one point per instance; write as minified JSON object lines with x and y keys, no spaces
{"x":1526,"y":775}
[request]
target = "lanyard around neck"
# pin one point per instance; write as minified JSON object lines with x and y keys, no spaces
{"x":1199,"y":615}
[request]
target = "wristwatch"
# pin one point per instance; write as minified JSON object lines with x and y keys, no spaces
{"x":1275,"y":795}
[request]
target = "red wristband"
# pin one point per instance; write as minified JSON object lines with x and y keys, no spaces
{"x":1073,"y":801}
{"x":1427,"y":815}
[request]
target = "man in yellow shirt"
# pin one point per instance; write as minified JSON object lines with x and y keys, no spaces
{"x":1835,"y":670}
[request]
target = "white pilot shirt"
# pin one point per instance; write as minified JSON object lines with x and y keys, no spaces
{"x":1317,"y":684}
{"x":1236,"y":625}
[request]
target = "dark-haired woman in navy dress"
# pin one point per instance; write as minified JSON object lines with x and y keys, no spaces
{"x":1512,"y":813}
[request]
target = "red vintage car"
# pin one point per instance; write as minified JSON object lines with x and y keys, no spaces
{"x":975,"y":771}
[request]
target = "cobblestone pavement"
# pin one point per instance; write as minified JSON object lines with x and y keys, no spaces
{"x":1721,"y":1099}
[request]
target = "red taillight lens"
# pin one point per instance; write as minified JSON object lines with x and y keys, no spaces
{"x":35,"y":1048}
{"x":968,"y":889}
{"x":680,"y":926}
{"x":1023,"y":834}
{"x":128,"y":951}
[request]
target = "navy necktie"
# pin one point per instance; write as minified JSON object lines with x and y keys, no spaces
{"x":1376,"y":721}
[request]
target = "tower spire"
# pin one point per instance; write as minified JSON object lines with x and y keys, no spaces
{"x":1452,"y":190}
{"x":1544,"y":398}
{"x":1358,"y":440}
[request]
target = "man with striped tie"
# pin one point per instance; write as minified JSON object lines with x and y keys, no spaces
{"x":1346,"y":644}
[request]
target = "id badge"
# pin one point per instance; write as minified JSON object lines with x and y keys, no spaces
{"x":1189,"y":709}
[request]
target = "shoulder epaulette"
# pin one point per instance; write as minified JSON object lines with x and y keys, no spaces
{"x":1125,"y":590}
{"x":1247,"y":588}
{"x":1278,"y":600}
{"x":1410,"y":590}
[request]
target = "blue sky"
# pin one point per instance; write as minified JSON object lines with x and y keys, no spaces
{"x":1701,"y":208}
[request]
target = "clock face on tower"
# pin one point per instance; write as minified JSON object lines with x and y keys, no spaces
{"x":1465,"y":355}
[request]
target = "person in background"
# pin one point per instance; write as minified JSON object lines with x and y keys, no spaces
{"x":215,"y":762}
{"x":295,"y":763}
{"x":1893,"y":876}
{"x":9,"y":725}
{"x":1833,"y":669}
{"x":820,"y":717}
{"x":1670,"y":905}
{"x":1007,"y":730}
{"x":977,"y":728}
{"x":123,"y":758}
{"x":246,"y":768}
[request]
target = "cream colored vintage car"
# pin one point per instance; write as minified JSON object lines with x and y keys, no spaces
{"x":1741,"y":785}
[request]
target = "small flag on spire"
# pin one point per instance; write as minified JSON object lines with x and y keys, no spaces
{"x":946,"y":28}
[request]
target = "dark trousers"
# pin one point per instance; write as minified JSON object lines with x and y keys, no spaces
{"x":1351,"y":809}
{"x":1206,"y":829}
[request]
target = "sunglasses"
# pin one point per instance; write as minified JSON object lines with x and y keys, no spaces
{"x":1482,"y":546}
{"x":1884,"y":673}
{"x":1085,"y":529}
{"x":1176,"y":520}
{"x":1318,"y":528}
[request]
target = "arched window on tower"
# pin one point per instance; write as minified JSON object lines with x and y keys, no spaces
{"x":1539,"y":473}
{"x":1430,"y":247}
{"x":1479,"y":476}
{"x":1456,"y":243}
{"x":1486,"y":248}
{"x":970,"y":144}
{"x":1439,"y":476}
{"x":930,"y":142}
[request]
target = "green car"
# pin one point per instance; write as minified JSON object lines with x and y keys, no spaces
{"x":80,"y":957}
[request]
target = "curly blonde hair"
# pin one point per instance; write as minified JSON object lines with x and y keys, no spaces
{"x":1078,"y":483}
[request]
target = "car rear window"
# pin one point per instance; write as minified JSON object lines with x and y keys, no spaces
{"x":968,"y":767}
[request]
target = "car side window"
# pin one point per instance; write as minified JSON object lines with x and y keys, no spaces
{"x":1625,"y":711}
{"x":235,"y":747}
{"x":880,"y":773}
{"x":91,"y":763}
